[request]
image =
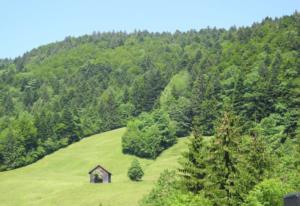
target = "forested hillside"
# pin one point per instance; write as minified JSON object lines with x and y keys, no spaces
{"x":245,"y":95}
{"x":174,"y":83}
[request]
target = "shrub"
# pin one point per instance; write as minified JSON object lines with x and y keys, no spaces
{"x":267,"y":193}
{"x":187,"y":199}
{"x":135,"y":172}
{"x":149,"y":134}
{"x":168,"y":192}
{"x":165,"y":186}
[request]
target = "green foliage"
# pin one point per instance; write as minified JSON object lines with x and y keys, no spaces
{"x":59,"y":93}
{"x":297,"y":149}
{"x":194,"y":165}
{"x":223,"y":163}
{"x":135,"y":171}
{"x":258,"y":83}
{"x":167,"y":192}
{"x":178,"y":86}
{"x":269,"y":192}
{"x":205,"y":102}
{"x":12,"y":150}
{"x":175,"y":100}
{"x":149,"y":134}
{"x":81,"y":86}
{"x":109,"y":109}
{"x":226,"y":167}
{"x":180,"y":112}
{"x":146,"y":90}
{"x":165,"y":186}
{"x":188,"y":199}
{"x":25,"y":129}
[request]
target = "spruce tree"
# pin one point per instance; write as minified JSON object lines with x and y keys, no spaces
{"x":222,"y":163}
{"x":205,"y":103}
{"x":70,"y":125}
{"x":135,"y":171}
{"x":108,"y":110}
{"x":67,"y":120}
{"x":193,"y":166}
{"x":255,"y":163}
{"x":259,"y":158}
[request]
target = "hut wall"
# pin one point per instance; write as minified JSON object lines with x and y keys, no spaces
{"x":105,"y":176}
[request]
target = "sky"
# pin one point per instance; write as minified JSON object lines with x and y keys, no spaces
{"x":28,"y":24}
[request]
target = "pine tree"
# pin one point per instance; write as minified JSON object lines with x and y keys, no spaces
{"x":254,"y":165}
{"x":44,"y":124}
{"x":135,"y":172}
{"x":108,"y":110}
{"x":275,"y":68}
{"x":258,"y":158}
{"x":7,"y":104}
{"x":67,"y":120}
{"x":223,"y":160}
{"x":193,"y":165}
{"x":237,"y":94}
{"x":197,"y":99}
{"x":204,"y":103}
{"x":215,"y":168}
{"x":12,"y":150}
{"x":69,"y":126}
{"x":180,"y":112}
{"x":154,"y":84}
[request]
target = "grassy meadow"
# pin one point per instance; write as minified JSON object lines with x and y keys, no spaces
{"x":62,"y":177}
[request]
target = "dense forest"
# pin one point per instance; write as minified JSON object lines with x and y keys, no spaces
{"x":237,"y":91}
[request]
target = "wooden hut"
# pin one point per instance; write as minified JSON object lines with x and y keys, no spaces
{"x":99,"y":175}
{"x":292,"y":199}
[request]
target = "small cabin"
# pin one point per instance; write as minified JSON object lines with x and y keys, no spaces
{"x":99,"y":175}
{"x":292,"y":199}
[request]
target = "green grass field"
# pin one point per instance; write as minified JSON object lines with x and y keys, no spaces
{"x":62,"y":178}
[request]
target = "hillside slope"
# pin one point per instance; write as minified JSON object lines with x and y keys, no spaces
{"x":58,"y":93}
{"x":62,"y":178}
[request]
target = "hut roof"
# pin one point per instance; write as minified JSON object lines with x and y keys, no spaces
{"x":99,"y":166}
{"x":292,"y":195}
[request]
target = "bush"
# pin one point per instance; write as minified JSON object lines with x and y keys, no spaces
{"x":165,"y":186}
{"x":268,"y":193}
{"x":168,"y":192}
{"x":187,"y":199}
{"x":135,"y":172}
{"x":149,"y":134}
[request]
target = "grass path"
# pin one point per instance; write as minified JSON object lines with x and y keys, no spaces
{"x":61,"y":179}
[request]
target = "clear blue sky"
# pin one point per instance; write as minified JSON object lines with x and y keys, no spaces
{"x":31,"y":23}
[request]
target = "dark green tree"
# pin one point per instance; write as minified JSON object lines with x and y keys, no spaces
{"x":149,"y":134}
{"x":205,"y":103}
{"x":146,"y":90}
{"x":181,"y":113}
{"x":7,"y":104}
{"x":69,"y":126}
{"x":193,"y":166}
{"x":135,"y":171}
{"x":12,"y":150}
{"x":223,"y":158}
{"x":108,"y":110}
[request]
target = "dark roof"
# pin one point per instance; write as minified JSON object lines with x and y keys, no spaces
{"x":292,"y":195}
{"x":99,"y":166}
